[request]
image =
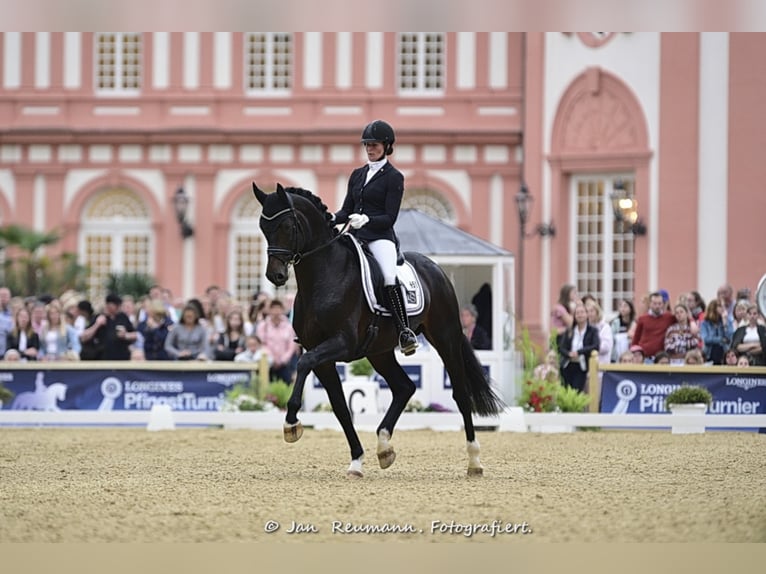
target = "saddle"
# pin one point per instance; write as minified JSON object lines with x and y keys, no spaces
{"x":372,"y":281}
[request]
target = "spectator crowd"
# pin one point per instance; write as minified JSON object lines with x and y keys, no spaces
{"x":212,"y":327}
{"x":728,"y":330}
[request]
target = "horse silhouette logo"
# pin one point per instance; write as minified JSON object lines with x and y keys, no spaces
{"x":42,"y":398}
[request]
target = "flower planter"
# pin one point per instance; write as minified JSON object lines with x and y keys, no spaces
{"x":680,"y":411}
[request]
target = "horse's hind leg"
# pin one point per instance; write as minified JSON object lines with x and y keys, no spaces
{"x":451,"y":352}
{"x":402,"y":388}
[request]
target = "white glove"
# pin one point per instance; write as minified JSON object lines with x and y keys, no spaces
{"x":357,"y":220}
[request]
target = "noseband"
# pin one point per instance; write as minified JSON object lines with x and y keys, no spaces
{"x":293,"y":256}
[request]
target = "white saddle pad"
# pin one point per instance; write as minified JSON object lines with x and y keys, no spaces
{"x":408,"y":278}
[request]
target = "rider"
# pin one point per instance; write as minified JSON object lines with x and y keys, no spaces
{"x":371,"y":207}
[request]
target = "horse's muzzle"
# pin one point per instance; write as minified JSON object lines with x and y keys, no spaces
{"x":276,"y":272}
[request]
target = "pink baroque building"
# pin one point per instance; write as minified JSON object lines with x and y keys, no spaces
{"x":98,"y":132}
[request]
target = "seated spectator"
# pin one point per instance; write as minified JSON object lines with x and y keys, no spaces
{"x":627,"y":358}
{"x":154,"y":329}
{"x":681,"y":336}
{"x":637,"y":351}
{"x":743,"y":361}
{"x":277,"y":335}
{"x":662,"y":358}
{"x":113,"y":330}
{"x":476,"y":334}
{"x":575,"y":346}
{"x":694,"y":357}
{"x":253,"y":352}
{"x":22,"y":337}
{"x":605,"y":335}
{"x":231,"y":341}
{"x":696,"y":305}
{"x":716,"y":332}
{"x":137,"y":355}
{"x":750,"y":339}
{"x":740,"y":314}
{"x":59,"y":340}
{"x":549,"y":370}
{"x":623,"y":326}
{"x":12,"y":355}
{"x":188,"y":340}
{"x":652,"y":326}
{"x":730,"y":358}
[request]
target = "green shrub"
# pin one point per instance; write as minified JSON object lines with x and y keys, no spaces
{"x":278,"y":392}
{"x":361,"y":368}
{"x":6,"y":395}
{"x":569,"y":400}
{"x":688,"y":394}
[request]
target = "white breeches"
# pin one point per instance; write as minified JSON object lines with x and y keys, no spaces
{"x":384,"y":252}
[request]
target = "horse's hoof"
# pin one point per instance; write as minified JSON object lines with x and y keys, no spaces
{"x":387,"y":457}
{"x":293,"y":432}
{"x":475,"y":471}
{"x":354,"y":474}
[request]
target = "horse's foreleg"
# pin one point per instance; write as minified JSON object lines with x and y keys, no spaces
{"x":292,"y":429}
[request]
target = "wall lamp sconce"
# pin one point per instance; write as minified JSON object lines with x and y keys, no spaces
{"x":523,"y":202}
{"x":181,"y":206}
{"x":625,"y":209}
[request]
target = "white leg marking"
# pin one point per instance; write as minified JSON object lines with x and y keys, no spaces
{"x":355,"y":468}
{"x":383,"y":440}
{"x":474,"y":464}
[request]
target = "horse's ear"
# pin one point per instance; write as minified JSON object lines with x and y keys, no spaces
{"x":283,"y":195}
{"x":259,"y":195}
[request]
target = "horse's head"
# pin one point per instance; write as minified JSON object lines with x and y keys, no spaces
{"x":296,"y":224}
{"x":279,"y":224}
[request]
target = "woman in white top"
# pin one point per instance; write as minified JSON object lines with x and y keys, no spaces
{"x":596,"y":319}
{"x":750,"y":340}
{"x":59,"y":340}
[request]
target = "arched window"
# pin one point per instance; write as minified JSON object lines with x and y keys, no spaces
{"x":115,"y":237}
{"x":431,"y":203}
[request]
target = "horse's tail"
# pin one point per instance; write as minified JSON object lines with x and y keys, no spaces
{"x":485,"y":400}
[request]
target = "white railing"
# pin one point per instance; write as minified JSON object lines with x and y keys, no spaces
{"x":513,"y":419}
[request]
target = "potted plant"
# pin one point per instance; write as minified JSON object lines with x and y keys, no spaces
{"x":688,"y":400}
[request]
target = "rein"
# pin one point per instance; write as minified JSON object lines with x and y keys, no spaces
{"x":294,"y":255}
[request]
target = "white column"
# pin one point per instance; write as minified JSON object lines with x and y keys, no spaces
{"x":374,"y":61}
{"x":161,"y":60}
{"x":466,"y":60}
{"x":312,"y":60}
{"x":11,"y":60}
{"x":72,"y":64}
{"x":191,"y":60}
{"x":343,"y":60}
{"x":713,"y":162}
{"x":498,"y":60}
{"x":42,"y":60}
{"x":222,"y":60}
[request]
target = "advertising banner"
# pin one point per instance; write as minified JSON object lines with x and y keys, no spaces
{"x":130,"y":390}
{"x":645,"y":392}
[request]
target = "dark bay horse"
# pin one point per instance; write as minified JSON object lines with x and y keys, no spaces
{"x":333,"y":323}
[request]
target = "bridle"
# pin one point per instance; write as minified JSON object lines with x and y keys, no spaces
{"x":294,"y":256}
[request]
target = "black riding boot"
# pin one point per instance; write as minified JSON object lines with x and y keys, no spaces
{"x":408,"y":342}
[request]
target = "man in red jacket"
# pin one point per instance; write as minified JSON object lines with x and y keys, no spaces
{"x":650,"y":328}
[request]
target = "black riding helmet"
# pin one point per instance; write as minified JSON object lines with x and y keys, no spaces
{"x":380,"y":131}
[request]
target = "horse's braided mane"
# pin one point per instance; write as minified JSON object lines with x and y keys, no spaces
{"x":317,"y":203}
